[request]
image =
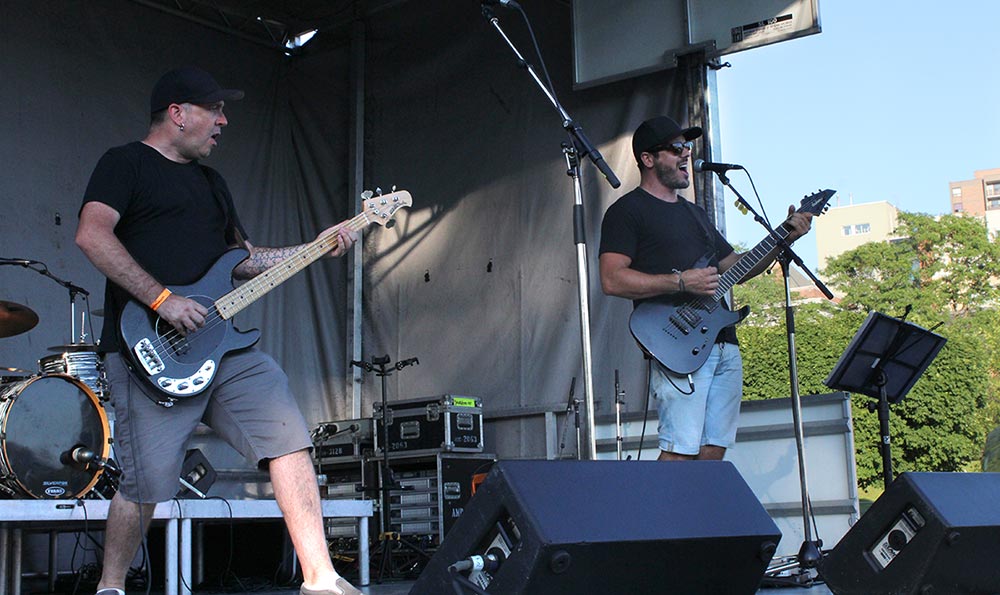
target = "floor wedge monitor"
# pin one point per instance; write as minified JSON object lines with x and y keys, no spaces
{"x":572,"y":527}
{"x":929,"y":533}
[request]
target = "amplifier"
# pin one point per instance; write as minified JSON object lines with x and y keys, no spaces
{"x":449,"y":423}
{"x":343,"y":440}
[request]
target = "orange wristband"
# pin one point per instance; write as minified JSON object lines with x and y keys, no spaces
{"x":160,"y":299}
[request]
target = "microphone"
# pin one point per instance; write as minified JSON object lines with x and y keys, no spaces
{"x":719,"y":168}
{"x":81,"y":455}
{"x":504,"y":3}
{"x":489,"y":563}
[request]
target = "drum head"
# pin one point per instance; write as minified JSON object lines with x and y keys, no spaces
{"x":50,"y":416}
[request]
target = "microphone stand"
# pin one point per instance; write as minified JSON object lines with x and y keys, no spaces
{"x":74,"y":290}
{"x":582,"y":147}
{"x":382,"y":368}
{"x":619,"y":401}
{"x":809,"y":553}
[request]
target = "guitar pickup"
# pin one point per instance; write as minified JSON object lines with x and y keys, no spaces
{"x":147,"y":357}
{"x":683,"y":328}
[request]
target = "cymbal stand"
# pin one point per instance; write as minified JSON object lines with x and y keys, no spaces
{"x":382,"y":368}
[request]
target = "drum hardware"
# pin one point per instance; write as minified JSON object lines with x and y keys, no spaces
{"x":82,"y":364}
{"x":16,"y":319}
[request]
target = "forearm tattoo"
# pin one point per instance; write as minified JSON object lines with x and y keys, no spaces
{"x":262,"y":258}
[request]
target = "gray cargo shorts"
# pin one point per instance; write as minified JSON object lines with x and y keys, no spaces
{"x":249,"y":405}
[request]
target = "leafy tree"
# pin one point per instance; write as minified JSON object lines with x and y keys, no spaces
{"x":945,"y":271}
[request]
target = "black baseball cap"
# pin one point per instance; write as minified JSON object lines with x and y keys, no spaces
{"x":657,"y":131}
{"x":188,"y":84}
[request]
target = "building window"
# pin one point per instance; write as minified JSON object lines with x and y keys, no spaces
{"x":992,"y":189}
{"x":957,"y":207}
{"x":861,"y":228}
{"x":993,"y":203}
{"x":846,"y":230}
{"x":956,"y":192}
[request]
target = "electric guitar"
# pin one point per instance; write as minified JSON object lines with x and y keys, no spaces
{"x":680,"y":331}
{"x":182,"y":366}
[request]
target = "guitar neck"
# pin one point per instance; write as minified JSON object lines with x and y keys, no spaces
{"x":748,"y":261}
{"x":244,"y":295}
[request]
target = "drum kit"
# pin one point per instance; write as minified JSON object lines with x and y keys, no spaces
{"x":55,"y":439}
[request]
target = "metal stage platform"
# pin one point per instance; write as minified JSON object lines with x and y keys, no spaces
{"x":21,"y":516}
{"x":403,"y":588}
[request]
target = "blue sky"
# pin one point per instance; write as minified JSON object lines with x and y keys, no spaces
{"x":891,"y":101}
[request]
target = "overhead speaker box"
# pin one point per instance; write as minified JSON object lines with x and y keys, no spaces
{"x":572,"y":527}
{"x":929,"y":533}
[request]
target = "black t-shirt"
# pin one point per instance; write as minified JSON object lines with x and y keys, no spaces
{"x":661,"y":236}
{"x":177,"y":219}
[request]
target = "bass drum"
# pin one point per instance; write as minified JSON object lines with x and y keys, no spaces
{"x":42,"y":420}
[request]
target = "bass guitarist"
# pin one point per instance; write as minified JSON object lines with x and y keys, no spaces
{"x":153,"y":216}
{"x":651,"y":239}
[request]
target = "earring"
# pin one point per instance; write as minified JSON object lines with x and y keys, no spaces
{"x":181,"y":126}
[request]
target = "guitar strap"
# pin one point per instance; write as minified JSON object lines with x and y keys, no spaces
{"x":702,"y":223}
{"x":225,"y":202}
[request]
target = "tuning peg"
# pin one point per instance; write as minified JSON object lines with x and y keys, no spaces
{"x":378,"y":191}
{"x":367,"y":194}
{"x":393,"y":188}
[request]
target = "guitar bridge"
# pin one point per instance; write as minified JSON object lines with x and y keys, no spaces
{"x":148,"y":358}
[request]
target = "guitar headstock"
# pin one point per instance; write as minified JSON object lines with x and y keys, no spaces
{"x":816,"y":203}
{"x":380,"y":208}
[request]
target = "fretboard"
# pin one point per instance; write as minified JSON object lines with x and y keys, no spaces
{"x":244,"y":295}
{"x":747,"y":262}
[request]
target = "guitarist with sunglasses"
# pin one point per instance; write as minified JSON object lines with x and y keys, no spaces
{"x":153,"y":216}
{"x":656,"y":245}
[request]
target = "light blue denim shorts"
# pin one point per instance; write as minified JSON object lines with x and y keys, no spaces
{"x":708,"y":414}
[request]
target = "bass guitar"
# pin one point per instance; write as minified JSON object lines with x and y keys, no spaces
{"x":680,"y":331}
{"x":182,"y":366}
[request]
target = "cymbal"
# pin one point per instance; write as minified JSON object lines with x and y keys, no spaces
{"x":73,"y":347}
{"x":16,"y":319}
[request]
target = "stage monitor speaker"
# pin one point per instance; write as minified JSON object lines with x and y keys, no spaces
{"x":573,"y":527}
{"x":929,"y":533}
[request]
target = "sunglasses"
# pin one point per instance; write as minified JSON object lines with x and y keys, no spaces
{"x":675,"y":148}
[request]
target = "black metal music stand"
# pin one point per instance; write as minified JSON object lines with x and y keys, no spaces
{"x":884,"y":360}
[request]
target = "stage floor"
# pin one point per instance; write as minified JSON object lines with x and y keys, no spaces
{"x":402,"y":588}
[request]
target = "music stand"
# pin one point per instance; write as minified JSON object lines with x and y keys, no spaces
{"x":884,"y":360}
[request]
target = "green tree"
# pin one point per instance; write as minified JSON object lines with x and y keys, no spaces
{"x":946,"y":271}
